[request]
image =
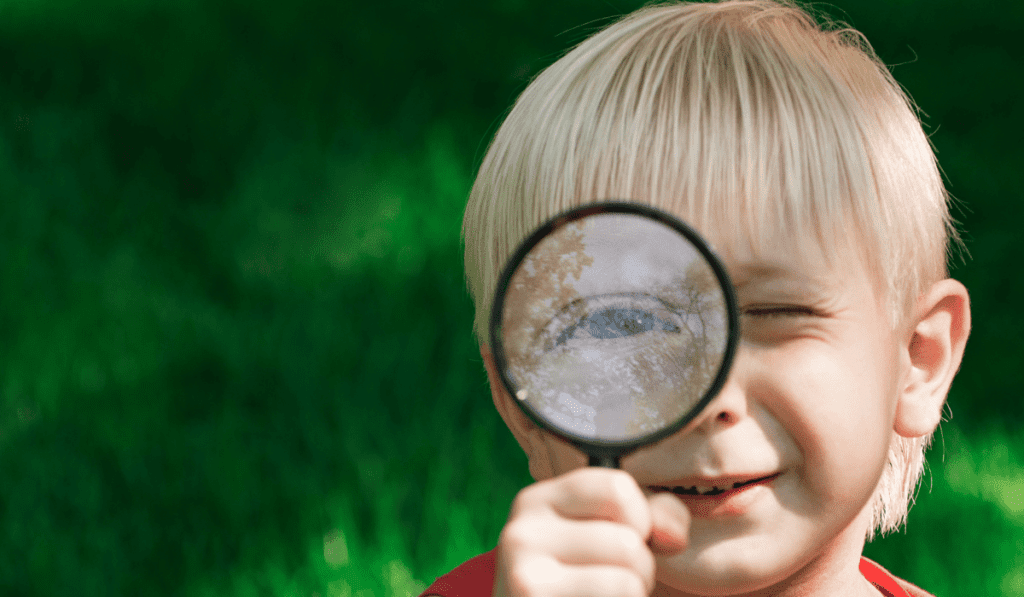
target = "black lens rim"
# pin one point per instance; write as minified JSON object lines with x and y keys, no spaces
{"x":604,"y":448}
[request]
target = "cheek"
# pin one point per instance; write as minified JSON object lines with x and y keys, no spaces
{"x":560,"y":456}
{"x":837,"y":417}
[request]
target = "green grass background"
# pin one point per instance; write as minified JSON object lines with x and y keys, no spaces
{"x":236,"y":355}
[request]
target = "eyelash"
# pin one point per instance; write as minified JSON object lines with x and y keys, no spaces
{"x":772,"y":312}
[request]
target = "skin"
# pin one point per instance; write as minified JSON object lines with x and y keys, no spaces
{"x":814,"y":395}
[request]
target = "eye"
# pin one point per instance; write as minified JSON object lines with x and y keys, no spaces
{"x":616,"y":322}
{"x":610,"y":317}
{"x":782,"y":311}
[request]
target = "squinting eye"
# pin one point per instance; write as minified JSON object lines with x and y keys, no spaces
{"x":779,"y":311}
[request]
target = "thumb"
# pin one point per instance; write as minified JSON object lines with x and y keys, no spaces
{"x":670,"y":529}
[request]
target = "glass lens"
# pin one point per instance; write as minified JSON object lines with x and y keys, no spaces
{"x":613,"y":327}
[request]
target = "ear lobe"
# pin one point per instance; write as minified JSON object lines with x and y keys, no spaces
{"x":935,"y":351}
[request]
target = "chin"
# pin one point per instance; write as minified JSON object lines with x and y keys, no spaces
{"x":716,"y":579}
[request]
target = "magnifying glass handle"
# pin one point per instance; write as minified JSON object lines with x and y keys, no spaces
{"x":605,"y":461}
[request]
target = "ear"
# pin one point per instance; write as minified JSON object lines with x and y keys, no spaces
{"x":533,"y":440}
{"x":934,"y":351}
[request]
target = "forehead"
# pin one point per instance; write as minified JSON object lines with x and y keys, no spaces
{"x":785,"y":280}
{"x":760,"y":253}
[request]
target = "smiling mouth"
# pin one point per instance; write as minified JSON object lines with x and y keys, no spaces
{"x":710,"y":490}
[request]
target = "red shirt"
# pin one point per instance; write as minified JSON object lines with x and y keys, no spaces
{"x":475,"y":578}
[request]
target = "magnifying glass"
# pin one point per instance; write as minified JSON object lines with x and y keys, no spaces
{"x":614,"y":324}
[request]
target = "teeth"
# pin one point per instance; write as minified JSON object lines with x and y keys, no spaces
{"x":701,"y":489}
{"x":698,"y":489}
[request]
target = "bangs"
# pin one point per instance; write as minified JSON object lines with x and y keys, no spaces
{"x":750,"y":136}
{"x":757,"y":152}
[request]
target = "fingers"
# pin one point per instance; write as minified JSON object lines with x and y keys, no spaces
{"x":600,"y":493}
{"x":548,"y":578}
{"x":590,"y":532}
{"x":670,"y":530}
{"x":576,"y":543}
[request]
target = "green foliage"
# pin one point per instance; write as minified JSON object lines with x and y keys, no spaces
{"x":236,"y":354}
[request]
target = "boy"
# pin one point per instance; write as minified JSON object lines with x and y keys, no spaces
{"x":796,"y":155}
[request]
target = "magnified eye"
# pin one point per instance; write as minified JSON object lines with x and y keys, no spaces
{"x":616,"y":323}
{"x":609,"y":317}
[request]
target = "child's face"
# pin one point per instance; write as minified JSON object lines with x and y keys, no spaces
{"x":813,"y":394}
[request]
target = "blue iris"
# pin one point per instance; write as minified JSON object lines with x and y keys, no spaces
{"x":611,"y":323}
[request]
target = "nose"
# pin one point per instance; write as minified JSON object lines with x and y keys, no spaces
{"x":730,"y":405}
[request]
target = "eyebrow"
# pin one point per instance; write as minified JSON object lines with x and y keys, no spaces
{"x":746,"y":273}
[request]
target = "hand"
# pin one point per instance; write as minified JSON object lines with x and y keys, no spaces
{"x":588,"y":533}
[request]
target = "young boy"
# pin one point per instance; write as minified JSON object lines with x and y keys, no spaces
{"x":791,"y":149}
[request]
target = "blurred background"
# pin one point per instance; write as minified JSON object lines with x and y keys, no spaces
{"x":236,"y":354}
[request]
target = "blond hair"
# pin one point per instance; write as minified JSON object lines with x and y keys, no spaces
{"x":739,"y":116}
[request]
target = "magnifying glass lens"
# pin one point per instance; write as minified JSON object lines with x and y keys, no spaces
{"x":614,"y":326}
